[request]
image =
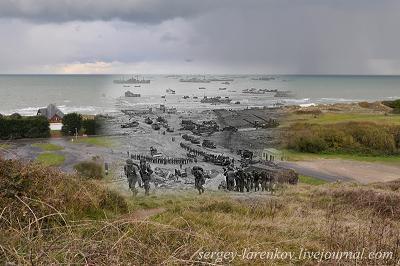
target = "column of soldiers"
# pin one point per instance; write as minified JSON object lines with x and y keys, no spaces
{"x":162,"y":160}
{"x":239,"y":180}
{"x":211,"y":157}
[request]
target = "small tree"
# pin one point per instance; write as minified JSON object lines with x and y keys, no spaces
{"x":71,"y":122}
{"x":90,"y":126}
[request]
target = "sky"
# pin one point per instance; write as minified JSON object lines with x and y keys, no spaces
{"x":200,"y":37}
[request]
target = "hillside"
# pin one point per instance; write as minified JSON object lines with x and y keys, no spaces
{"x":47,"y":217}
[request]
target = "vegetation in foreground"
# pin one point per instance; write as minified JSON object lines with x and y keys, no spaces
{"x":5,"y":146}
{"x":50,"y":159}
{"x":48,"y":146}
{"x":90,"y":169}
{"x":50,"y":218}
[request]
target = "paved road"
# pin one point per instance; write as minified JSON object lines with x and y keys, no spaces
{"x":314,"y":173}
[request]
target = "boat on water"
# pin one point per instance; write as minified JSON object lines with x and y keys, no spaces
{"x":195,"y":80}
{"x":126,"y":86}
{"x":202,"y":88}
{"x":215,"y":100}
{"x":131,"y":94}
{"x":132,"y":80}
{"x":186,"y":97}
{"x":283,"y":94}
{"x":137,"y":86}
{"x":163,"y":96}
{"x":258,"y":91}
{"x":220,"y":79}
{"x":222,"y":89}
{"x":264,"y":78}
{"x":170,"y":91}
{"x":225,"y":83}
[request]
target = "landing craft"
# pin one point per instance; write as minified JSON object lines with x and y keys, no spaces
{"x":170,"y":91}
{"x":132,"y":81}
{"x":131,"y":94}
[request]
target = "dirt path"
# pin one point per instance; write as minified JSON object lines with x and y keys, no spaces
{"x":143,"y":214}
{"x":334,"y":169}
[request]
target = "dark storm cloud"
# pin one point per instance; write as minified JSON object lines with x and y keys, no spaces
{"x":263,"y":36}
{"x":142,"y":11}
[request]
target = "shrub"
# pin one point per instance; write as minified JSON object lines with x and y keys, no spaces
{"x":16,"y":127}
{"x":71,"y":123}
{"x":356,"y":137}
{"x":395,"y":105}
{"x":47,"y":191}
{"x":92,"y":126}
{"x":90,"y":169}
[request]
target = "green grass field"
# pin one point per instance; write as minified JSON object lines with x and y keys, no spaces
{"x":96,"y":141}
{"x":48,"y":146}
{"x":301,"y":156}
{"x":311,"y":180}
{"x":4,"y":146}
{"x":51,"y":159}
{"x":330,"y":118}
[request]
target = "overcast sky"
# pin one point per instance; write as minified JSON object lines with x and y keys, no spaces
{"x":200,"y":36}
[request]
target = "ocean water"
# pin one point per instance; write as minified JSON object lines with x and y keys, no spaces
{"x":94,"y":94}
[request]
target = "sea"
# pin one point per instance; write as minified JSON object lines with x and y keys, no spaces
{"x":98,"y":94}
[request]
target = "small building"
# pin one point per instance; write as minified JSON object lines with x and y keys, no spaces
{"x":52,"y":113}
{"x":272,"y":155}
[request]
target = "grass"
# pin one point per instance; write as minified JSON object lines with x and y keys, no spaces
{"x":96,"y":141}
{"x":330,"y":118}
{"x":42,"y":226}
{"x":55,"y":133}
{"x":311,"y":180}
{"x":292,"y":155}
{"x":48,"y":146}
{"x":5,"y":146}
{"x":50,"y":159}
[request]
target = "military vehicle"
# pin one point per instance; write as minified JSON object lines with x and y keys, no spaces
{"x":148,"y":121}
{"x":195,"y":140}
{"x":155,"y":126}
{"x":129,"y":125}
{"x":209,"y":144}
{"x":230,"y":128}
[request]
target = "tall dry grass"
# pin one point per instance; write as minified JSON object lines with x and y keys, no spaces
{"x":67,"y":221}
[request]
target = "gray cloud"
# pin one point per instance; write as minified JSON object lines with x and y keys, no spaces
{"x":231,"y":36}
{"x":142,"y":11}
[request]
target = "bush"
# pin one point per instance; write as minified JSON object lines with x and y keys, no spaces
{"x":355,"y":137}
{"x":47,"y":190}
{"x":395,"y":105}
{"x":71,"y":123}
{"x":90,"y":169}
{"x":16,"y":127}
{"x":91,"y":126}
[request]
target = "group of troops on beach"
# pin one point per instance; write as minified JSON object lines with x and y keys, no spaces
{"x":240,"y":180}
{"x":236,"y":179}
